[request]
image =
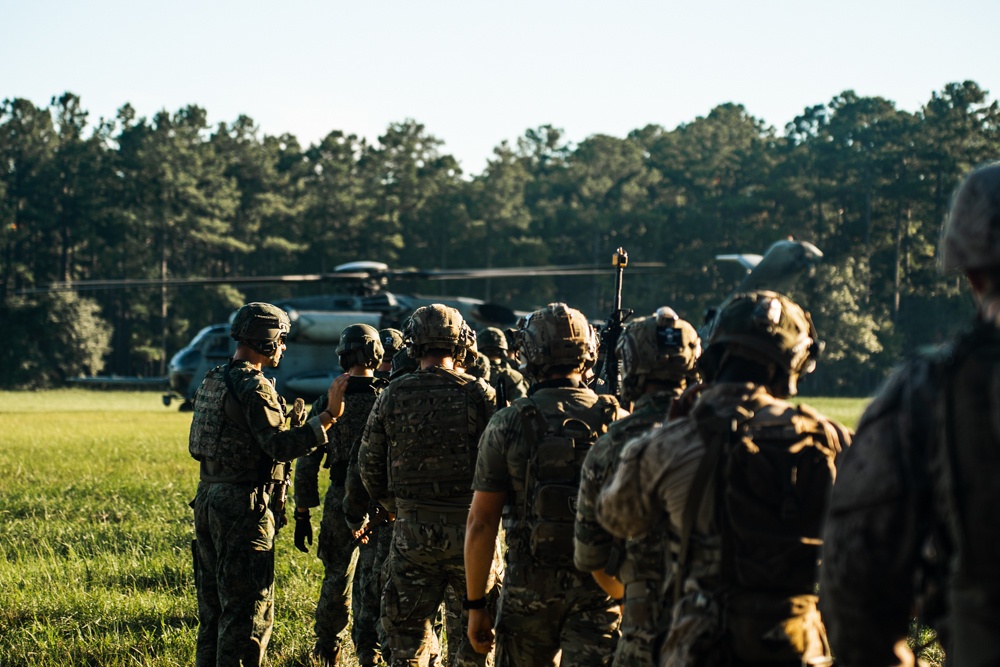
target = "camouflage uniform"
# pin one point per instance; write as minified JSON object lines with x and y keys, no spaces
{"x":234,"y":527}
{"x":416,"y":459}
{"x":776,"y":620}
{"x":642,"y":562}
{"x":917,"y":497}
{"x":543,"y":609}
{"x":336,"y":548}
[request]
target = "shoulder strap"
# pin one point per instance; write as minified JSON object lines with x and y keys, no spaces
{"x":715,"y":432}
{"x":533,"y":426}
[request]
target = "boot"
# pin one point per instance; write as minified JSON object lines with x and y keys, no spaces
{"x":324,"y":656}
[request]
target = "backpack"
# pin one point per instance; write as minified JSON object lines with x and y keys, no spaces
{"x":557,"y":447}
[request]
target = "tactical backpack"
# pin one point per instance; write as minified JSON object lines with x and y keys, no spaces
{"x":773,"y":480}
{"x":557,"y":447}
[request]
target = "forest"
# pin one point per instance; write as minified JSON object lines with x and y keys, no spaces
{"x":171,"y":196}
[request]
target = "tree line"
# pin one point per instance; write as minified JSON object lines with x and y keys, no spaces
{"x":171,"y":196}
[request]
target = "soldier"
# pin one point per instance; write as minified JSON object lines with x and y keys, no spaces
{"x":917,"y":498}
{"x":505,"y":378}
{"x":658,"y":356}
{"x":360,"y":352}
{"x":528,"y":470}
{"x":392,"y":342}
{"x":743,"y":481}
{"x":238,"y":434}
{"x":417,"y":458}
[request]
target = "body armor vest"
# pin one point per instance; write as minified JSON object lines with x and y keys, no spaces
{"x":557,"y":447}
{"x":437,"y":422}
{"x":215,"y":434}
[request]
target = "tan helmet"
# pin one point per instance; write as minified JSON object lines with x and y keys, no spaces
{"x":262,"y":326}
{"x":662,"y":347}
{"x":433,"y":327}
{"x":556,"y":335}
{"x":360,"y":344}
{"x":468,"y":349}
{"x":768,"y":328}
{"x":970,"y":238}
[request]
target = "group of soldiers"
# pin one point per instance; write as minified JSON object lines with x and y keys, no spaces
{"x":540,"y":522}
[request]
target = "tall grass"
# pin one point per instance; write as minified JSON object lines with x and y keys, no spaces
{"x":95,"y":564}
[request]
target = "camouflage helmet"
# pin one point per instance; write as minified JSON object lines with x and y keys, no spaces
{"x":492,"y":339}
{"x":765,"y":327}
{"x":262,"y":326}
{"x":402,"y":363}
{"x":360,"y":344}
{"x":467,"y":346}
{"x":970,"y":238}
{"x":392,"y":341}
{"x":556,"y":335}
{"x":433,"y":327}
{"x":478,"y":365}
{"x":662,"y":347}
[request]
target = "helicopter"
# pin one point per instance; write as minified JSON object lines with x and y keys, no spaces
{"x":311,"y":363}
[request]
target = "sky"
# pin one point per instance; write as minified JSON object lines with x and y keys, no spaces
{"x":479,"y":73}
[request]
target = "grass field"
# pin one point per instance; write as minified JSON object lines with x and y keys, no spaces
{"x":95,"y":561}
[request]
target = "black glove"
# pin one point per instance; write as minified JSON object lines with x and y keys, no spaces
{"x":303,"y":531}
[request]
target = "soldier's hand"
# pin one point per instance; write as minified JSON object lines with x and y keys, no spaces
{"x":303,"y":531}
{"x":481,"y":630}
{"x":298,"y":413}
{"x":335,"y":396}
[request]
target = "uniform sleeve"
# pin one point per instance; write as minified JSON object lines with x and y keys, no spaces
{"x":591,"y":542}
{"x":307,"y":479}
{"x":266,"y":418}
{"x":492,"y":473}
{"x":624,"y":508}
{"x":373,"y":454}
{"x":873,"y":534}
{"x":356,"y":498}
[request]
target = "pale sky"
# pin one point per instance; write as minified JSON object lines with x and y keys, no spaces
{"x":477,"y":73}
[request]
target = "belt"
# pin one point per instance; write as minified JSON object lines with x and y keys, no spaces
{"x":435,"y":515}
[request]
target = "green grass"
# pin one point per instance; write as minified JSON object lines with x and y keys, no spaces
{"x":95,"y":565}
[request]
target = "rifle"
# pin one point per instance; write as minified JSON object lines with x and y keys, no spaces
{"x":378,"y":516}
{"x":613,"y":328}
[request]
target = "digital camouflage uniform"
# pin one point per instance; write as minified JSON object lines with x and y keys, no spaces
{"x":417,"y":459}
{"x":776,"y":621}
{"x":336,"y":548}
{"x":234,"y":527}
{"x":640,"y":564}
{"x":544,"y":608}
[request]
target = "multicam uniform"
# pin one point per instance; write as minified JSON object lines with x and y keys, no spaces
{"x":544,"y":607}
{"x":417,"y":459}
{"x":642,"y":562}
{"x":769,"y":596}
{"x":237,"y":442}
{"x":336,"y":548}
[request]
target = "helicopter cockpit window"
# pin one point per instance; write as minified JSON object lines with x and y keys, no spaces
{"x":217,"y":346}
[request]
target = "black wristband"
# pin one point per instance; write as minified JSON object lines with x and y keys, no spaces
{"x":474,"y":604}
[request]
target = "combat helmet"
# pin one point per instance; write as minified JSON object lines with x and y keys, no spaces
{"x":768,"y":328}
{"x":468,"y":348}
{"x":970,"y":238}
{"x":554,"y":336}
{"x":261,"y":326}
{"x":360,"y":344}
{"x":662,"y":347}
{"x":392,"y":342}
{"x":493,"y":342}
{"x":433,"y":327}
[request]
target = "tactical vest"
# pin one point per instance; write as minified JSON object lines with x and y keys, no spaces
{"x":215,"y":435}
{"x":968,"y":494}
{"x":436,"y":425}
{"x":557,"y":447}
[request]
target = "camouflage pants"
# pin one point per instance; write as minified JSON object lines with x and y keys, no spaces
{"x":543,"y":611}
{"x":234,"y":575}
{"x":645,"y":621}
{"x":425,"y":559}
{"x":367,"y":631}
{"x":339,"y":555}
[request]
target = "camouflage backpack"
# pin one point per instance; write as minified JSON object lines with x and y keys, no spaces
{"x":557,"y":447}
